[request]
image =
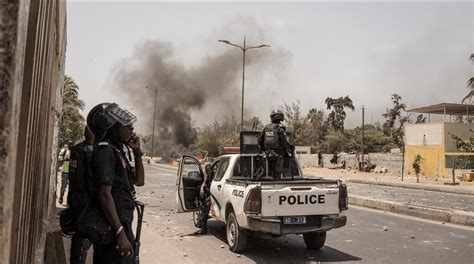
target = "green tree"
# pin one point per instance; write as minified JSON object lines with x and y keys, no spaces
{"x":394,"y":122}
{"x":294,"y":118}
{"x":335,"y":140}
{"x":374,"y":139}
{"x":337,"y":115}
{"x":315,"y":128}
{"x":470,"y":84}
{"x":464,"y":145}
{"x":417,"y":166}
{"x":71,"y":122}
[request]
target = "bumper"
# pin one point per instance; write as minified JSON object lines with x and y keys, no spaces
{"x":275,"y":226}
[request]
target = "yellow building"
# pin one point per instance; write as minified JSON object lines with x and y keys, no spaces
{"x":433,"y":140}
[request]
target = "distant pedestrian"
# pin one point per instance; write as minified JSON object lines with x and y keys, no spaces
{"x":64,"y":156}
{"x":320,"y":159}
{"x":334,"y":158}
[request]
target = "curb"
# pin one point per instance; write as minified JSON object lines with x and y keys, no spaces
{"x":446,"y":189}
{"x":432,"y":213}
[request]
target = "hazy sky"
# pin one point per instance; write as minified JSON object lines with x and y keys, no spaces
{"x":365,"y":50}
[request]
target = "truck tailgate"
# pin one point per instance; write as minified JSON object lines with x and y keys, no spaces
{"x":299,"y":200}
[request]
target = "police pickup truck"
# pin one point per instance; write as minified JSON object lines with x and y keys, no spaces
{"x":247,"y":198}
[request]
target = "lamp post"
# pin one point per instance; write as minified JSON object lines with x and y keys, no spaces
{"x":244,"y":50}
{"x":156,"y":90}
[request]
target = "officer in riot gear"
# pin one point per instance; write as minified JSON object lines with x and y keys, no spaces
{"x":114,"y":177}
{"x":205,"y":200}
{"x":274,"y":142}
{"x":80,"y":190}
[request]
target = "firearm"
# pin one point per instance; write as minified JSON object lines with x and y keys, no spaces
{"x":140,"y":209}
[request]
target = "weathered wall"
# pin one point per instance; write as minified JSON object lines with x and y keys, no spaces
{"x":433,"y":160}
{"x":391,"y":161}
{"x":32,"y":51}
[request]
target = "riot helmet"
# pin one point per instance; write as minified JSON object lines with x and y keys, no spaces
{"x":277,"y":116}
{"x":105,"y":115}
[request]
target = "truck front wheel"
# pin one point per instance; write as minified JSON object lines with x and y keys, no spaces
{"x":314,"y":240}
{"x":236,"y":236}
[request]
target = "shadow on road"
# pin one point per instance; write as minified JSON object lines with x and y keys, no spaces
{"x":266,"y":249}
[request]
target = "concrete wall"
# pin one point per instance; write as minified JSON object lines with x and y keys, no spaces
{"x":391,"y":161}
{"x":424,"y":134}
{"x":32,"y":51}
{"x":433,"y":160}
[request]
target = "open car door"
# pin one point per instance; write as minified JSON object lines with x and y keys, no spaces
{"x":189,"y":180}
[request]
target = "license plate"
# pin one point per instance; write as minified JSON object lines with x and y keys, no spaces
{"x":294,"y":220}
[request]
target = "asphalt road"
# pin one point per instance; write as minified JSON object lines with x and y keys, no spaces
{"x":166,"y":236}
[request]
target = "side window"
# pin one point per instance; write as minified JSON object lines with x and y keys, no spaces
{"x":221,"y":168}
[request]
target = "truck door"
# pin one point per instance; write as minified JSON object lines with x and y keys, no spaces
{"x":188,"y":182}
{"x":217,"y":188}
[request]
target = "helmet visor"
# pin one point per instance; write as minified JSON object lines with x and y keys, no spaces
{"x":122,"y":116}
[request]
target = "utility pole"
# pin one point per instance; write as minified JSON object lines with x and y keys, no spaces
{"x":154,"y":118}
{"x":363,"y":130}
{"x":244,"y":50}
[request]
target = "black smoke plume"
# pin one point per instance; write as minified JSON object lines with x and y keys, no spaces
{"x":181,"y":89}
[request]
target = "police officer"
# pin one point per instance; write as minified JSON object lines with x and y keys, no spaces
{"x":274,"y":143}
{"x":205,"y":196}
{"x":114,"y":177}
{"x":80,"y":190}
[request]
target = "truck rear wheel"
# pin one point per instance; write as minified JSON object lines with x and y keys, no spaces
{"x":197,"y":219}
{"x":314,"y":240}
{"x":236,"y":236}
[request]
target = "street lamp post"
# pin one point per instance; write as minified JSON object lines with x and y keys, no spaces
{"x":156,"y":90}
{"x":244,"y":50}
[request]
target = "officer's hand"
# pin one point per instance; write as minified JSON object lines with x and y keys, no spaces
{"x":123,"y":246}
{"x":135,"y":143}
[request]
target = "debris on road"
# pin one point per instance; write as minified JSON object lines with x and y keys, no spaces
{"x":385,"y":228}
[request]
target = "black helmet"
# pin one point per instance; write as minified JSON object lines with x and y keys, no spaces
{"x":105,"y":115}
{"x":277,"y":116}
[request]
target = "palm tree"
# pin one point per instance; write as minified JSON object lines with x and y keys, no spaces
{"x":70,"y":94}
{"x":470,"y":84}
{"x":71,"y":123}
{"x":337,"y":116}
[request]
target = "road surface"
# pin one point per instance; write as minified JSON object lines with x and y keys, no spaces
{"x":167,"y":238}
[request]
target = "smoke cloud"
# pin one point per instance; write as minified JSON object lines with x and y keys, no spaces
{"x":182,"y":91}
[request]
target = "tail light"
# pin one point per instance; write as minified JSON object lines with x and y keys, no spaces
{"x":343,"y":200}
{"x":253,"y":204}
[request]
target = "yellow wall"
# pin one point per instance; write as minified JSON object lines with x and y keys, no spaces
{"x":433,"y":163}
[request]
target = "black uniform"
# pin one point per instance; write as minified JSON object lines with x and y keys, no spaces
{"x":80,"y":191}
{"x":111,"y":167}
{"x":274,"y":143}
{"x":206,"y":203}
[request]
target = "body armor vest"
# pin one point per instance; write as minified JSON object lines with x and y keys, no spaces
{"x":271,"y":138}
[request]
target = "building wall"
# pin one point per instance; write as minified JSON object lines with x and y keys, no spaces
{"x":432,"y":141}
{"x":433,"y":163}
{"x":31,"y":71}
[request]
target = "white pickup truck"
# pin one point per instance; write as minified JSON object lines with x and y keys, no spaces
{"x":289,"y":205}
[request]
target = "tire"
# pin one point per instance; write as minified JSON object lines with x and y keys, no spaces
{"x":197,"y":219}
{"x":314,"y":240}
{"x":236,"y":236}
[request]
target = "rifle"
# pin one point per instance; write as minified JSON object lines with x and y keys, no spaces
{"x":140,"y":209}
